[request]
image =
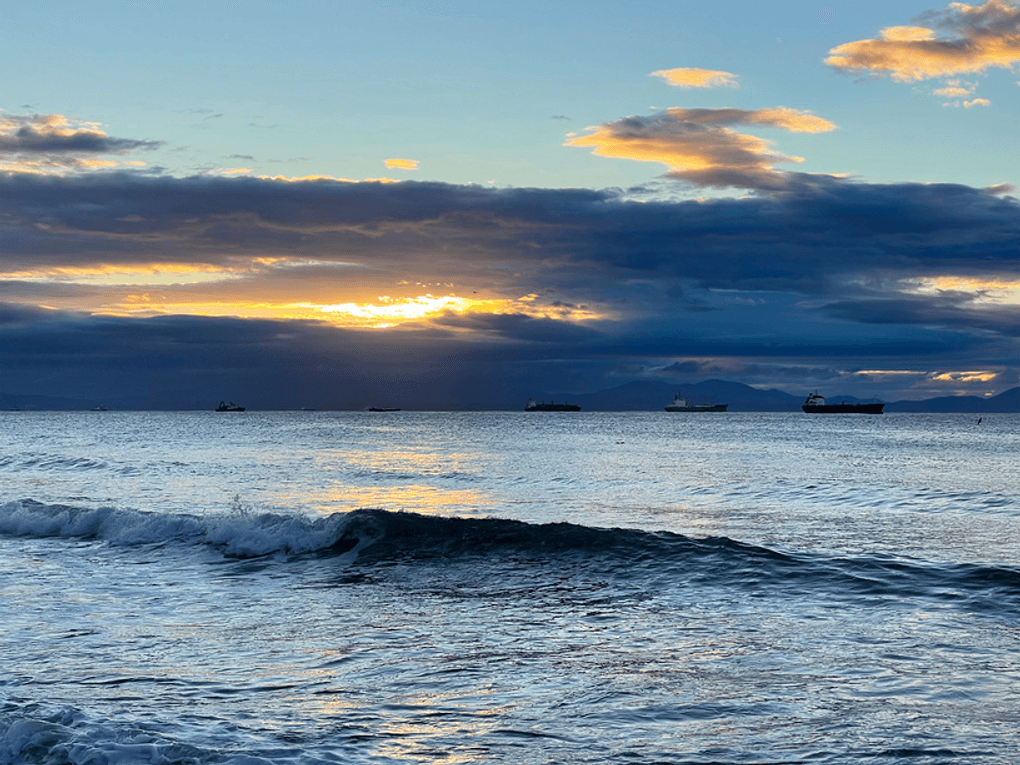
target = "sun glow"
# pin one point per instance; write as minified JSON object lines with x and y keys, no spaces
{"x":388,"y":311}
{"x":226,"y":290}
{"x":383,"y":313}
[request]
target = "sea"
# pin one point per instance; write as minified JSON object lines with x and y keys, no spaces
{"x":509,"y":587}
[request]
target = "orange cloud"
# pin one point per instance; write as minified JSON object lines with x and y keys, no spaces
{"x":954,"y":89}
{"x":697,"y":78}
{"x":698,"y":146}
{"x":305,"y":178}
{"x":402,"y":164}
{"x":977,"y":37}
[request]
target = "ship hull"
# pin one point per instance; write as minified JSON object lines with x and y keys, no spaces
{"x":843,"y":408}
{"x":707,"y":408}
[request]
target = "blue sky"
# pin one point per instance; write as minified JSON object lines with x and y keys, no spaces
{"x":789,"y":195}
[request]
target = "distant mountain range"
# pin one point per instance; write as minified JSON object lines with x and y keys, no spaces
{"x":646,"y":396}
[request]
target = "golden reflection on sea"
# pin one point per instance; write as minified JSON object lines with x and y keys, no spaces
{"x":421,"y":480}
{"x":417,"y":498}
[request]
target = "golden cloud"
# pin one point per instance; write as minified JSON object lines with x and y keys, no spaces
{"x":698,"y":146}
{"x":953,"y":90}
{"x":305,"y":178}
{"x":980,"y":292}
{"x":978,"y":37}
{"x":697,"y":78}
{"x":402,"y":164}
{"x":980,"y":375}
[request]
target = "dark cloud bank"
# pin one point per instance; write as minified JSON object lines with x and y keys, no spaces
{"x":826,"y":261}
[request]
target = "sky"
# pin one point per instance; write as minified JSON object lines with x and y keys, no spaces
{"x":333,"y":204}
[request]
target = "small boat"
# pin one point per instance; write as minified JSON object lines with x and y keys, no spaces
{"x":681,"y":404}
{"x":383,"y":409}
{"x":533,"y":406}
{"x":815,"y":404}
{"x":229,"y":407}
{"x":99,"y":408}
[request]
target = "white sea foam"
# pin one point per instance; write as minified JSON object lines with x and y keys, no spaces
{"x":239,"y":533}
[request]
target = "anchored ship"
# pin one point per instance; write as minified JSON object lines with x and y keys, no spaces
{"x":815,"y":404}
{"x":681,"y":404}
{"x":544,"y":407}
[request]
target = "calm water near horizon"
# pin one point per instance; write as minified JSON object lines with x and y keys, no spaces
{"x":355,"y":587}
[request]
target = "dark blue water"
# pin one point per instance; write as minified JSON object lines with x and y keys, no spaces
{"x":635,"y":588}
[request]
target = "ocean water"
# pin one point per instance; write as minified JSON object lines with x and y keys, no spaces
{"x":319,"y":587}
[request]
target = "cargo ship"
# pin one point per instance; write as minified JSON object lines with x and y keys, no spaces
{"x":681,"y":404}
{"x":815,"y":404}
{"x":533,"y":406}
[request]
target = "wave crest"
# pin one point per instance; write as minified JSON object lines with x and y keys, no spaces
{"x":381,"y":536}
{"x":239,"y":533}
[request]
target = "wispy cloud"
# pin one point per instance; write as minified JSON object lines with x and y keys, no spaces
{"x":698,"y":146}
{"x":697,"y":78}
{"x":974,"y":38}
{"x":401,"y":164}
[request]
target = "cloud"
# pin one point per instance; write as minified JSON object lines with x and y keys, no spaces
{"x":570,"y":245}
{"x":402,"y":164}
{"x":181,"y":285}
{"x":698,"y":146}
{"x":697,"y":78}
{"x":975,"y":38}
{"x":960,"y":91}
{"x":55,"y":133}
{"x":52,"y":143}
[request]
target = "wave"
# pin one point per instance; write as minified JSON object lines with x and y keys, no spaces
{"x":241,"y":533}
{"x":372,"y":536}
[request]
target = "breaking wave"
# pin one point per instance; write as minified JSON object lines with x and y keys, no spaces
{"x":379,"y":537}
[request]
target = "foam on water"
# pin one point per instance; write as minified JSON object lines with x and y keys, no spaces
{"x":241,"y":534}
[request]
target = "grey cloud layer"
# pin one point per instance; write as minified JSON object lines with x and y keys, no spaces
{"x":829,"y":256}
{"x":798,"y":241}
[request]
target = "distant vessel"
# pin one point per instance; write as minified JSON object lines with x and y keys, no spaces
{"x":544,"y":407}
{"x":99,"y":408}
{"x":383,"y":409}
{"x":229,"y":407}
{"x":683,"y":405}
{"x":815,"y":404}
